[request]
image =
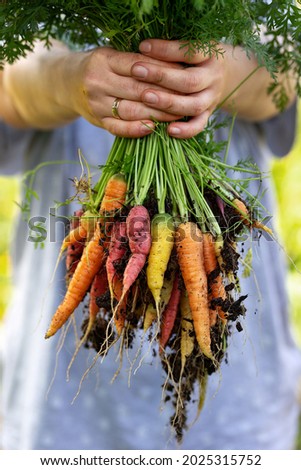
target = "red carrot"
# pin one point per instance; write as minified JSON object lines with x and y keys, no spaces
{"x":117,"y":251}
{"x":99,"y":287}
{"x":169,"y":314}
{"x":138,"y":232}
{"x":74,"y":250}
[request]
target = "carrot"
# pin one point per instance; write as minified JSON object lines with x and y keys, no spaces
{"x":166,"y":290}
{"x":150,"y":316}
{"x":78,"y":234}
{"x":151,"y":313}
{"x":216,"y":287}
{"x":74,"y":250}
{"x":219,"y":245}
{"x":187,"y":331}
{"x":99,"y":287}
{"x":113,"y":199}
{"x":119,"y":314}
{"x":189,"y":244}
{"x":117,"y":251}
{"x":138,"y":232}
{"x":162,"y":233}
{"x":92,"y":257}
{"x":87,"y":268}
{"x":74,"y":253}
{"x":169,"y":314}
{"x":245,"y":217}
{"x":82,"y":230}
{"x":203,"y":381}
{"x":114,"y":196}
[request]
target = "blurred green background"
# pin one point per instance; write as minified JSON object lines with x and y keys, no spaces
{"x":287,"y":176}
{"x":286,"y":173}
{"x":9,"y":191}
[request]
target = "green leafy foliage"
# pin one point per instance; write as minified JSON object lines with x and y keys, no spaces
{"x":201,"y":25}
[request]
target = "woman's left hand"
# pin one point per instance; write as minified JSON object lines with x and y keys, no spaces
{"x":193,"y":90}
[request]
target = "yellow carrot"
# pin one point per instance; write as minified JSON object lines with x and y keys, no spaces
{"x":162,"y":232}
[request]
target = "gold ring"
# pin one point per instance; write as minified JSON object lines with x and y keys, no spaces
{"x":115,"y":107}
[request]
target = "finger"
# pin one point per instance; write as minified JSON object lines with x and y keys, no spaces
{"x":131,"y":88}
{"x":184,"y":105}
{"x":185,"y":80}
{"x":130,"y":110}
{"x":130,"y":129}
{"x":135,"y":110}
{"x":186,"y":130}
{"x":171,"y":51}
{"x":121,"y":63}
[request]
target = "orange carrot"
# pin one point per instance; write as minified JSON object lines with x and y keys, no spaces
{"x":189,"y":244}
{"x":216,"y":288}
{"x":114,"y":196}
{"x":245,"y":217}
{"x":92,"y":257}
{"x":119,"y":314}
{"x":99,"y":287}
{"x":82,"y":230}
{"x":78,"y":234}
{"x":87,"y":268}
{"x":169,"y":314}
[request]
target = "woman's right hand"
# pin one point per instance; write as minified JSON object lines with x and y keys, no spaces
{"x":96,"y":78}
{"x":51,"y":87}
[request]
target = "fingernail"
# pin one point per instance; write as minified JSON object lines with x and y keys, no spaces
{"x":139,"y":71}
{"x":145,"y":47}
{"x":147,"y":127}
{"x":174,"y":131}
{"x":150,"y":97}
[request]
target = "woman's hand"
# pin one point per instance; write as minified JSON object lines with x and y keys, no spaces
{"x":104,"y":74}
{"x":231,"y":79}
{"x":192,"y":89}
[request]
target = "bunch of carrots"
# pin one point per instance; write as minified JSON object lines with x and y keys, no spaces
{"x":152,"y":248}
{"x":154,"y":251}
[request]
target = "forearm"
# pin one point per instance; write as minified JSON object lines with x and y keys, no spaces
{"x":35,"y":91}
{"x":250,"y":100}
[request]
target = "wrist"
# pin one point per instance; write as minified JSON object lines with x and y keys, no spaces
{"x":68,"y":69}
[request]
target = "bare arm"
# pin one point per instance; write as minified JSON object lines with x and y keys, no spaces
{"x":49,"y":88}
{"x":30,"y":87}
